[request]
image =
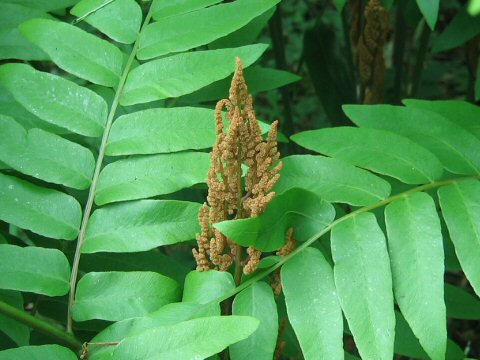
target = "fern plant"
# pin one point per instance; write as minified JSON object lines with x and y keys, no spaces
{"x":104,"y":162}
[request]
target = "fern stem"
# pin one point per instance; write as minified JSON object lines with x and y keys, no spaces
{"x":238,"y":264}
{"x":318,"y":235}
{"x":98,"y":167}
{"x":59,"y":334}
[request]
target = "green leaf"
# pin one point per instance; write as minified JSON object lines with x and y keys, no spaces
{"x":188,"y":340}
{"x":246,"y":35}
{"x":204,"y":286}
{"x":167,"y":315}
{"x":13,"y":44}
{"x":34,"y":269}
{"x":460,"y":204}
{"x":455,"y":147}
{"x":76,"y":51}
{"x":42,"y":352}
{"x":146,"y":176}
{"x":146,"y":260}
{"x":45,"y":5}
{"x":461,"y":29}
{"x":462,"y":113}
{"x":141,"y":225}
{"x":257,"y":301}
{"x":364,"y":284}
{"x":461,"y":304}
{"x":333,"y":180}
{"x":297,"y":208}
{"x":474,"y":7}
{"x":45,"y":156}
{"x":184,"y":73}
{"x":162,"y":9}
{"x":162,"y":130}
{"x":377,"y":150}
{"x":416,"y":253}
{"x":407,"y":344}
{"x":17,"y":331}
{"x":121,"y":295}
{"x":429,"y":9}
{"x":170,"y":34}
{"x":55,"y":100}
{"x":120,"y":19}
{"x":259,"y":79}
{"x":46,"y":212}
{"x":8,"y":105}
{"x":313,"y":306}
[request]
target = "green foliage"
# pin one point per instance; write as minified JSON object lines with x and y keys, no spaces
{"x":204,"y":287}
{"x":141,"y":225}
{"x":54,"y":352}
{"x":112,"y":295}
{"x":174,"y":73}
{"x":331,"y":179}
{"x":429,"y":10}
{"x":106,"y":123}
{"x":296,"y":207}
{"x":193,"y":339}
{"x":44,"y":211}
{"x":417,"y":262}
{"x":26,"y":151}
{"x":120,"y":20}
{"x":141,"y":177}
{"x":257,"y":301}
{"x":358,"y":245}
{"x":462,"y":28}
{"x":34,"y":269}
{"x":204,"y":26}
{"x":312,"y":305}
{"x":459,"y":203}
{"x":55,"y":100}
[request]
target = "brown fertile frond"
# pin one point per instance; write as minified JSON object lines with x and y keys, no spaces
{"x":290,"y":244}
{"x":241,"y":143}
{"x":203,"y":263}
{"x":253,"y":260}
{"x":369,"y":51}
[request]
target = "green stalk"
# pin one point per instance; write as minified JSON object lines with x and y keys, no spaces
{"x":61,"y":336}
{"x":399,"y":50}
{"x":420,"y":61}
{"x":318,"y":235}
{"x":98,"y":167}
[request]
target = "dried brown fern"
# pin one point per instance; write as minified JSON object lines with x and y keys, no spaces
{"x":369,"y":47}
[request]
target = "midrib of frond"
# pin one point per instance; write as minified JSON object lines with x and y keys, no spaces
{"x":98,"y":168}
